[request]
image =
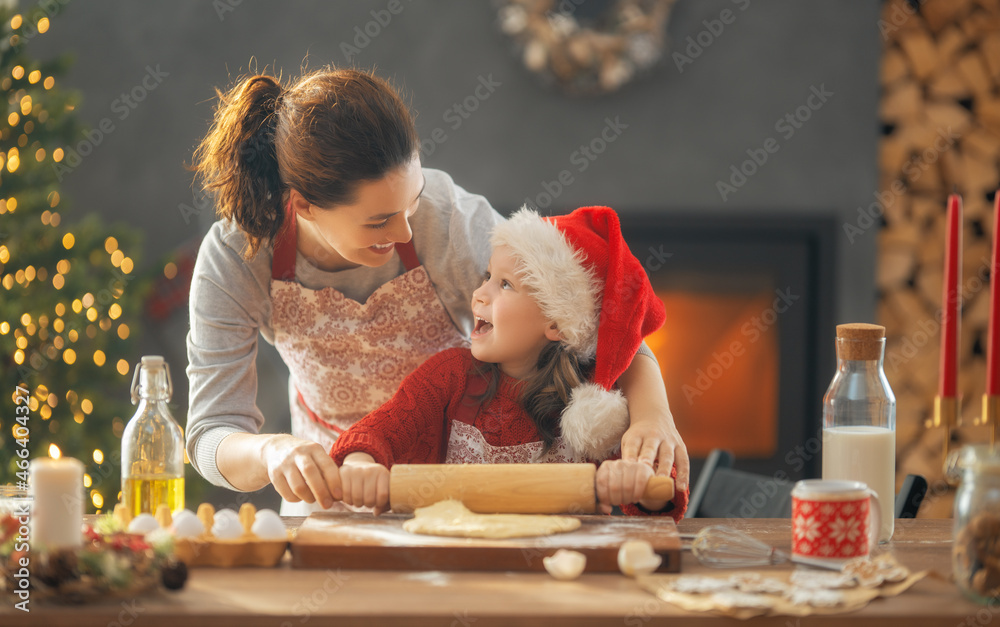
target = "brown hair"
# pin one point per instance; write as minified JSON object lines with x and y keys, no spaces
{"x":323,"y":136}
{"x":546,"y":392}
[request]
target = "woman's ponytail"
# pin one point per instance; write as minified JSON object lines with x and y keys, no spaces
{"x":237,"y":160}
{"x":322,"y":136}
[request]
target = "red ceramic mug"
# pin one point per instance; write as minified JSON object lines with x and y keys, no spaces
{"x":833,"y":519}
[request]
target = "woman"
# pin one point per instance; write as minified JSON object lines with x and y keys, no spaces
{"x":356,"y":263}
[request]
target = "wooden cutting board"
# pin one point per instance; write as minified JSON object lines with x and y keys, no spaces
{"x":362,"y":541}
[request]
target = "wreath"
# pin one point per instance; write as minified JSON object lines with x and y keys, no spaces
{"x":109,"y":564}
{"x":587,"y":47}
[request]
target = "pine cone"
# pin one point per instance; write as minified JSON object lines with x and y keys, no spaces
{"x":57,"y":567}
{"x":174,"y":574}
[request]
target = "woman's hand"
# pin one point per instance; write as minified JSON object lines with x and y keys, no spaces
{"x":652,"y":435}
{"x":620,"y":482}
{"x":657,"y":441}
{"x":301,"y":470}
{"x":365,"y":482}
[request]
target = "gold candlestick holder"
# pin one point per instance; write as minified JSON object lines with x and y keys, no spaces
{"x":945,"y":416}
{"x":991,"y":415}
{"x":957,"y":461}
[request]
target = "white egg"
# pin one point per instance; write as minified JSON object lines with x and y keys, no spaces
{"x":227,"y":525}
{"x":636,"y":557}
{"x":227,"y":513}
{"x":268,"y":526}
{"x":565,"y":565}
{"x":187,"y":525}
{"x":143,"y":524}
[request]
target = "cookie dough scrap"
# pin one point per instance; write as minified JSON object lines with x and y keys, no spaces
{"x":452,"y":518}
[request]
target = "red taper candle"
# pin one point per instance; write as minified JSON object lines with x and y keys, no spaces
{"x":951,"y":302}
{"x":993,"y":348}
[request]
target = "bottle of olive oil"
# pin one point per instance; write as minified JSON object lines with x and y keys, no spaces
{"x":152,"y":444}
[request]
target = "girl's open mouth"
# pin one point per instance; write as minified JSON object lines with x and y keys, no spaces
{"x":482,"y":327}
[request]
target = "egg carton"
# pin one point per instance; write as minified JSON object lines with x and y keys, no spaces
{"x":205,"y":549}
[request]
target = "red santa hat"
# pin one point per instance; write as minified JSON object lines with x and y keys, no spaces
{"x":584,"y":278}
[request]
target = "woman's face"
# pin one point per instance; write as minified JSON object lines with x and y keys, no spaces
{"x":365,"y":232}
{"x":510,"y":330}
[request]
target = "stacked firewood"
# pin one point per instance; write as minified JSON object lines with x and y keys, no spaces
{"x":940,"y":111}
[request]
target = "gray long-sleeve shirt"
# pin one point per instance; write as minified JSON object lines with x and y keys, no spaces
{"x":230,"y":306}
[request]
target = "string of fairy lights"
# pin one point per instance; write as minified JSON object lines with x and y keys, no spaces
{"x":59,"y":346}
{"x":53,"y":330}
{"x":56,"y":334}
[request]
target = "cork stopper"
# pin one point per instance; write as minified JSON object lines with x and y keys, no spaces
{"x":859,"y":341}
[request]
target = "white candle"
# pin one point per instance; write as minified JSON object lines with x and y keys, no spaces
{"x":57,"y":511}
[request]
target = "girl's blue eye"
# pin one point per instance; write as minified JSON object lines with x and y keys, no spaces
{"x":505,"y":284}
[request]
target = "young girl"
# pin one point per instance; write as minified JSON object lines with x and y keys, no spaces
{"x":561,"y":313}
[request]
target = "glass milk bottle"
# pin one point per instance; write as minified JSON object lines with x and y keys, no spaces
{"x":859,"y":417}
{"x":152,"y":444}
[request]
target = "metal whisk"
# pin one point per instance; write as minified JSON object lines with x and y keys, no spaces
{"x":721,"y":546}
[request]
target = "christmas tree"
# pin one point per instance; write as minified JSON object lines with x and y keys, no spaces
{"x":70,"y":298}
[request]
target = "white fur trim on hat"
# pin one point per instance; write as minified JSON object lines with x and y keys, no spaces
{"x":594,"y":420}
{"x":567,"y":291}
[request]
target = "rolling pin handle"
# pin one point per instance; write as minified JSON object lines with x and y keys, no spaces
{"x":659,"y":489}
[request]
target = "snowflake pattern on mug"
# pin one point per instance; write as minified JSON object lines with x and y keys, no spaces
{"x":806,"y":527}
{"x":845,"y":530}
{"x":830,"y":529}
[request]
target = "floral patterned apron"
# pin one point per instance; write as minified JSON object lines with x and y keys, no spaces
{"x":347,"y":358}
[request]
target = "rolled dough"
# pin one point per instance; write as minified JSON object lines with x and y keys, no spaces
{"x":452,"y":518}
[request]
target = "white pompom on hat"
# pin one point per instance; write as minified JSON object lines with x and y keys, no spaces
{"x":586,"y":280}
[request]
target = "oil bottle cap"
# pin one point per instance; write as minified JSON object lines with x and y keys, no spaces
{"x":859,"y":341}
{"x":146,"y":380}
{"x":152,"y":361}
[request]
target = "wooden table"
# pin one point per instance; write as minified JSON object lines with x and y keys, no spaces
{"x":284,"y":597}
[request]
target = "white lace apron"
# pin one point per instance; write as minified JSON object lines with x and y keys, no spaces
{"x":467,"y":445}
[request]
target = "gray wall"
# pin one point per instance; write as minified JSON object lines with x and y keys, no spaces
{"x":684,"y":129}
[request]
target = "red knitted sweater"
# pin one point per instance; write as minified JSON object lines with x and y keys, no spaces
{"x":426,"y":414}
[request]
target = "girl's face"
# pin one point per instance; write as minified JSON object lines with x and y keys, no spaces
{"x":510,"y":329}
{"x":363,"y":233}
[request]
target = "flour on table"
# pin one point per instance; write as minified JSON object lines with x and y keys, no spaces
{"x":816,"y":597}
{"x":817,"y":579}
{"x":700,"y":584}
{"x":452,"y":518}
{"x":732,"y":599}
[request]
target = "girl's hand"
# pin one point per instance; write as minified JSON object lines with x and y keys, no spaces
{"x":620,"y":482}
{"x":301,"y":470}
{"x":365,"y":482}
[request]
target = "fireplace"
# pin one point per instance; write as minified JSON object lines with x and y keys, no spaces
{"x":747,"y":350}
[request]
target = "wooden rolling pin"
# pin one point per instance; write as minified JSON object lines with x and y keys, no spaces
{"x":506,"y":488}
